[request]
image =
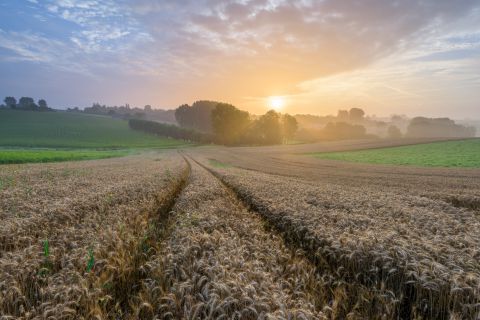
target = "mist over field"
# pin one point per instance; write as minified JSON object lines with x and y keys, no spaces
{"x":250,"y":159}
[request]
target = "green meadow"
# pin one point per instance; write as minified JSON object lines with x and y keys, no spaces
{"x":73,"y":130}
{"x":27,"y":136}
{"x":47,"y":155}
{"x":461,"y":154}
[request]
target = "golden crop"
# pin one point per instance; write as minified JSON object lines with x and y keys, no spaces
{"x":173,"y":237}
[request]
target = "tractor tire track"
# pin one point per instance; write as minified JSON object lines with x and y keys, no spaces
{"x":222,"y":261}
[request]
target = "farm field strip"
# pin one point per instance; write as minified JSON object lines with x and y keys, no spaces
{"x":73,"y":130}
{"x":427,"y":260}
{"x":221,"y":262}
{"x":12,"y":156}
{"x":460,"y":187}
{"x":92,"y":254}
{"x":461,"y":153}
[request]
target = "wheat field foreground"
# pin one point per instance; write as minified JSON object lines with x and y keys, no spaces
{"x":234,"y":234}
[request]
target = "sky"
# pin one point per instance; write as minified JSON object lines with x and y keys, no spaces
{"x":412,"y":57}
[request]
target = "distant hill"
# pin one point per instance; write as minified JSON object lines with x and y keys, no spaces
{"x":72,"y":130}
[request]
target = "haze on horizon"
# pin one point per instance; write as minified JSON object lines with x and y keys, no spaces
{"x":407,"y":57}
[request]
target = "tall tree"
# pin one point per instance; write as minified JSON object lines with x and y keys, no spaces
{"x":182,"y":115}
{"x":10,"y":102}
{"x":27,"y":103}
{"x":290,"y":126}
{"x":42,"y":104}
{"x":229,"y":123}
{"x":270,"y":128}
{"x":342,"y":115}
{"x":198,"y":116}
{"x":356,"y":114}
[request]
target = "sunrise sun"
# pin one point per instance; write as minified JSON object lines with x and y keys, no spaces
{"x":276,"y":103}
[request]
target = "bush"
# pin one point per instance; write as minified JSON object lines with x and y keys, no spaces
{"x":169,"y":130}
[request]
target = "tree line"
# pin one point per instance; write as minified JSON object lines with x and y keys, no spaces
{"x":438,"y":127}
{"x":223,"y":123}
{"x":232,"y":126}
{"x":354,"y":124}
{"x":25,"y":103}
{"x":169,"y":130}
{"x":126,"y":112}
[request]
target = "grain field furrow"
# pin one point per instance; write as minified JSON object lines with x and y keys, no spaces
{"x":221,"y":261}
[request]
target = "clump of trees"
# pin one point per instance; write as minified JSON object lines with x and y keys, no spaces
{"x":197,"y":116}
{"x":126,"y":112}
{"x":342,"y":131}
{"x":394,"y":132}
{"x":438,"y":127}
{"x":232,"y":126}
{"x":25,"y":103}
{"x":354,"y":115}
{"x":229,"y":125}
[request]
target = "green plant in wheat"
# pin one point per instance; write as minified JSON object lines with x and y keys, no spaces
{"x":46,"y":266}
{"x":46,"y":248}
{"x":91,"y":260}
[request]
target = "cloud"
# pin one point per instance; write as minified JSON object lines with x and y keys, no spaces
{"x":282,"y":43}
{"x":234,"y":49}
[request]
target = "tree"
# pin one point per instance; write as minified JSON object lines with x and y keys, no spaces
{"x":342,"y":131}
{"x":290,"y":126}
{"x":147,"y":108}
{"x":10,"y":102}
{"x":182,"y":115}
{"x":342,"y":115}
{"x":356,"y":114}
{"x":269,"y":128}
{"x":42,"y":104}
{"x":27,"y":103}
{"x":198,"y":116}
{"x":437,"y":127}
{"x":229,"y":123}
{"x":394,"y":132}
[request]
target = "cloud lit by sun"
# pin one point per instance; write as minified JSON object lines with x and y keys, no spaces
{"x":276,"y":103}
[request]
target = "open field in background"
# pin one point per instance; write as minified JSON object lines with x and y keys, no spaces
{"x":459,"y":185}
{"x":239,"y":233}
{"x":60,"y":136}
{"x":54,"y":155}
{"x":462,"y":153}
{"x":73,"y":130}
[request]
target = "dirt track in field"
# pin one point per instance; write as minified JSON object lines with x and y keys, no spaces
{"x":222,"y":261}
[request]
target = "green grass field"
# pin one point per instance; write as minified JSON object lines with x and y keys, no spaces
{"x":218,"y":164}
{"x":462,"y":153}
{"x":32,"y":155}
{"x":27,"y":136}
{"x":73,"y":130}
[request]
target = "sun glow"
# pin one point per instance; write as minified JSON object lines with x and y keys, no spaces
{"x":276,"y":103}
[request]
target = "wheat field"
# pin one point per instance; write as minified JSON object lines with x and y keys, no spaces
{"x":237,"y":235}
